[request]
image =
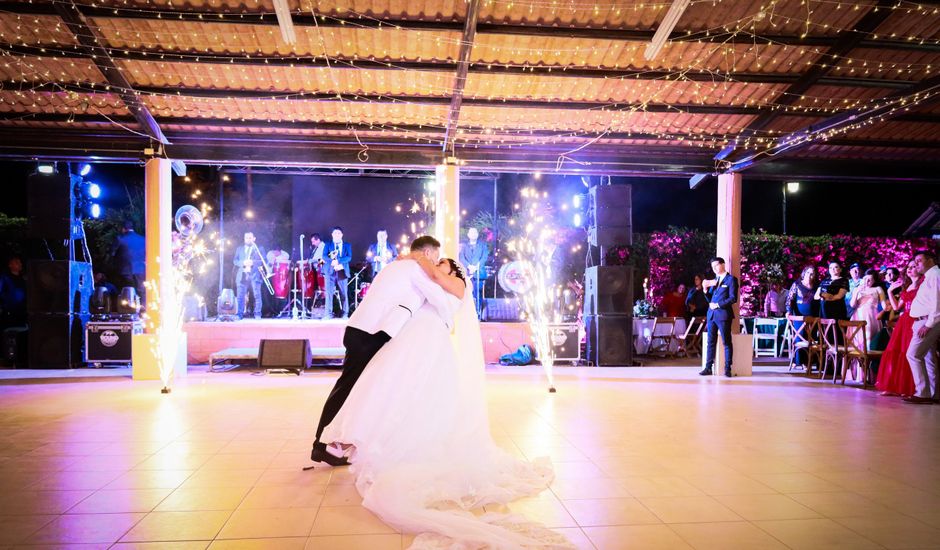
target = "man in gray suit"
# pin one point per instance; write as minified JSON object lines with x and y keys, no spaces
{"x":473,"y":255}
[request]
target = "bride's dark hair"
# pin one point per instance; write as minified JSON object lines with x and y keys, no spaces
{"x":456,"y":270}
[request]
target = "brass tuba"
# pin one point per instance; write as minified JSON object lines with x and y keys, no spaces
{"x":188,"y":221}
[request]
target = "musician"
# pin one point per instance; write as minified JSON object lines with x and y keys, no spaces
{"x":248,"y":273}
{"x":473,"y":255}
{"x":380,"y":252}
{"x":277,"y":255}
{"x":316,"y":245}
{"x":336,"y":257}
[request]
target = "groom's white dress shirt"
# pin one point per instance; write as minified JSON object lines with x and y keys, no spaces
{"x":396,"y":294}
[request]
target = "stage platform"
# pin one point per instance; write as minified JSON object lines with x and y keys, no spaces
{"x":207,"y":337}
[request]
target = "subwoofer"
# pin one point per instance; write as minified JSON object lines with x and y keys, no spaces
{"x":289,"y":355}
{"x":59,"y":286}
{"x":608,"y":290}
{"x":609,"y":340}
{"x":56,"y":340}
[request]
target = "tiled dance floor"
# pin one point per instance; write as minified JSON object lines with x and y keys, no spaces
{"x":645,"y":458}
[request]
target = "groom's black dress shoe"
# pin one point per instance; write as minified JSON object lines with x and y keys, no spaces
{"x":705,"y":372}
{"x":319,"y":454}
{"x":728,"y":373}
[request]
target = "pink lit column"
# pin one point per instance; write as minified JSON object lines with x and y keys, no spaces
{"x":728,"y":235}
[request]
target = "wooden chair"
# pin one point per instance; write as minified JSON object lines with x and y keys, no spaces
{"x":855,"y":338}
{"x":829,"y":334}
{"x":765,"y":330}
{"x":691,"y":342}
{"x":662,"y":336}
{"x":798,"y":339}
{"x":817,"y":350}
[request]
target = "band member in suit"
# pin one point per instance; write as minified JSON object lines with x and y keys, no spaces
{"x":473,"y":255}
{"x":336,"y":257}
{"x":316,"y":248}
{"x":248,"y":274}
{"x":381,"y":252}
{"x":722,"y":293}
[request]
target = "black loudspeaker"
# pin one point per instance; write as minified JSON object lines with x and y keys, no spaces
{"x":59,"y":286}
{"x":610,"y":215}
{"x":56,"y":340}
{"x":288,"y":355}
{"x":51,"y":206}
{"x":14,"y":346}
{"x":502,"y":309}
{"x":609,"y":340}
{"x":608,"y":290}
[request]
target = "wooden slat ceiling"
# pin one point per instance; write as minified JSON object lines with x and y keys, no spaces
{"x":543,"y":73}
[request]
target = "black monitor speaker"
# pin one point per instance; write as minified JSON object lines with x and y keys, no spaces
{"x":287,"y":355}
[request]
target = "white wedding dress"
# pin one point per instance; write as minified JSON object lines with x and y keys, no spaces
{"x":424,"y":459}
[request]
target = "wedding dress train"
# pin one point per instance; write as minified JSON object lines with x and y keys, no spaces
{"x":424,"y":459}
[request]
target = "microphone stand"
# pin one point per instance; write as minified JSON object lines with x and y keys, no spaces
{"x":355,"y":278}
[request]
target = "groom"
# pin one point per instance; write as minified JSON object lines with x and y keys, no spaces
{"x":396,"y":294}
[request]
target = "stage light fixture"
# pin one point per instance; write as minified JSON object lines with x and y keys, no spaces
{"x":94,"y":190}
{"x":46,"y":169}
{"x":85,"y":170}
{"x":576,"y":201}
{"x":95,"y":210}
{"x":793,"y":186}
{"x":576,"y":220}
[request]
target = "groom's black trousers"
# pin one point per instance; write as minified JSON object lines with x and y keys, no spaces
{"x":361,"y":347}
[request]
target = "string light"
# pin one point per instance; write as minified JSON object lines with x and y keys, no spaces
{"x":177,"y":42}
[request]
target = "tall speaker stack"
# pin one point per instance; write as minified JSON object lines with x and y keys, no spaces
{"x":58,"y":291}
{"x":608,"y":290}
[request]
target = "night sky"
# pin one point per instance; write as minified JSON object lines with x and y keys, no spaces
{"x":818,"y":207}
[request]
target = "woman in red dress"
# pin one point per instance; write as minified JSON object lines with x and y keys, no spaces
{"x":894,"y":373}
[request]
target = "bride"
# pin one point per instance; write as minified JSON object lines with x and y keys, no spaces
{"x":416,"y":430}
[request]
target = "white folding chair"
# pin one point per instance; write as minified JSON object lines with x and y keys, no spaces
{"x":765,"y":330}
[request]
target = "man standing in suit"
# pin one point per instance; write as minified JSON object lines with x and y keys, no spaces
{"x":473,"y":255}
{"x":380,"y":253}
{"x":722,"y":295}
{"x":336,"y":255}
{"x":248,"y":275}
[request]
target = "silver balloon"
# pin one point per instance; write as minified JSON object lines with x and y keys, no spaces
{"x":188,"y":220}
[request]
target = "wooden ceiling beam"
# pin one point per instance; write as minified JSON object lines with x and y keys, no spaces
{"x":165,"y":56}
{"x":187,"y":92}
{"x":435,"y":131}
{"x":488,"y":26}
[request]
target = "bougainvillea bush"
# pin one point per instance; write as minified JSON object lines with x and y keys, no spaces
{"x":677,"y":254}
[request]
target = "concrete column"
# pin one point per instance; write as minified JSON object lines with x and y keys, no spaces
{"x":170,"y":346}
{"x":447,"y":205}
{"x":158,"y":207}
{"x":728,"y":235}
